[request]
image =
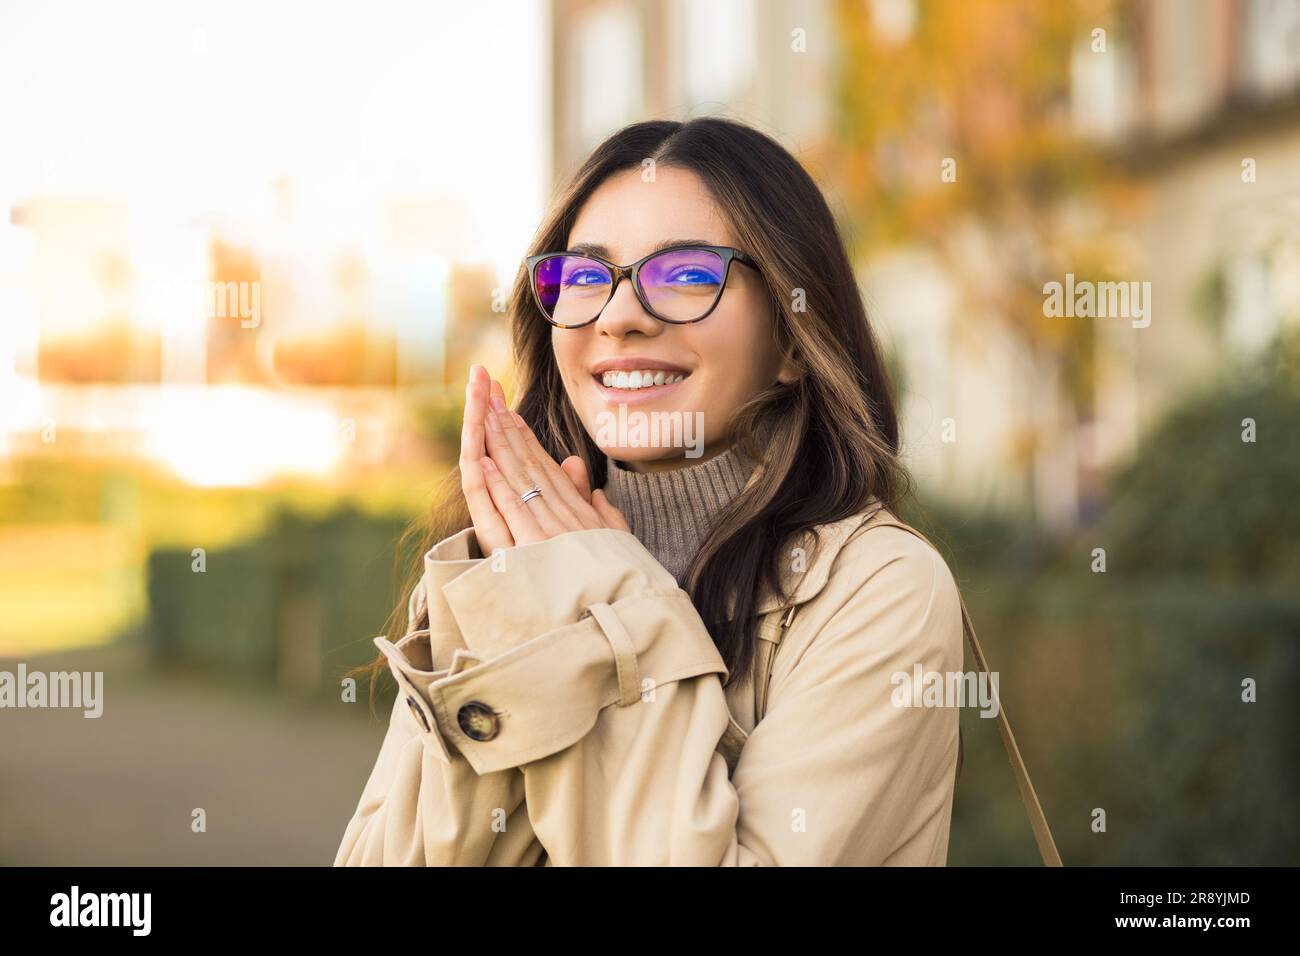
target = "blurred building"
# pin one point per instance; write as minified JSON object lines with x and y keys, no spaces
{"x":239,"y":345}
{"x":1195,"y":104}
{"x":1212,"y":130}
{"x":82,"y":282}
{"x":619,"y":61}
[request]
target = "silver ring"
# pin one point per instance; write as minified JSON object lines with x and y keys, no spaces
{"x":533,"y":492}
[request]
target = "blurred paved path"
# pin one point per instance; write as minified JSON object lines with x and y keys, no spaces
{"x":278,"y":780}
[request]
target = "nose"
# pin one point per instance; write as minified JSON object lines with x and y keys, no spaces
{"x":624,"y":313}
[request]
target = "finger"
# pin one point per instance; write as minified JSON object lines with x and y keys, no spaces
{"x":576,"y":469}
{"x":575,"y":498}
{"x":583,"y":512}
{"x":490,"y":527}
{"x":508,"y":448}
{"x":612,"y":517}
{"x":521,"y":516}
{"x":520,"y":478}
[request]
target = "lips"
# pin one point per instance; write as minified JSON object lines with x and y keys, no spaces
{"x":639,"y":378}
{"x":632,"y":363}
{"x":627,"y":395}
{"x":637,"y":375}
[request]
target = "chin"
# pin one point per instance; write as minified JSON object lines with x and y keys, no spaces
{"x":640,"y":456}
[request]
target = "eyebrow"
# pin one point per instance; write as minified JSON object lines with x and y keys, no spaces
{"x":596,"y":249}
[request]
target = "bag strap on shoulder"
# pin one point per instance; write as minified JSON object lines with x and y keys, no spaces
{"x":1037,"y":819}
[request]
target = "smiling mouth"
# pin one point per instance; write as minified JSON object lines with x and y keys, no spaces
{"x":640,"y":380}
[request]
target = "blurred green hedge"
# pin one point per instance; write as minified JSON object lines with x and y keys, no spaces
{"x":295,"y":607}
{"x":1125,"y":687}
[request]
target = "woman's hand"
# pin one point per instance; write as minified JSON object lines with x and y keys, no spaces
{"x":501,"y":458}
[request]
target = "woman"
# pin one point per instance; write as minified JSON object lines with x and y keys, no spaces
{"x":698,"y":663}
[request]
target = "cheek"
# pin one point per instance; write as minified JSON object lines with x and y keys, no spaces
{"x":565,"y":357}
{"x":745,"y":357}
{"x":570,"y":359}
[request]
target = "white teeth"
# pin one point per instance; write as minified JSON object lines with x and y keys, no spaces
{"x":640,"y":378}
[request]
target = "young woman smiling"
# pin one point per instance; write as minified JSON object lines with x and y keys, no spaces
{"x":695,"y":663}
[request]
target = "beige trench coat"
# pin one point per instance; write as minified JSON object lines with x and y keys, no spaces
{"x":566,"y":707}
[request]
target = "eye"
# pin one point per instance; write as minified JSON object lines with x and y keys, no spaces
{"x":586,"y":277}
{"x":692,"y":276}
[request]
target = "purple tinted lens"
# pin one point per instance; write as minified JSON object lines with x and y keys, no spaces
{"x":682,"y":284}
{"x":571,"y":289}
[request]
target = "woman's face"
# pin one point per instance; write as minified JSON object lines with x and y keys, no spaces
{"x":727,"y":358}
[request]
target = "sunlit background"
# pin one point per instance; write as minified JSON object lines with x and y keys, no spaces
{"x":249,"y":251}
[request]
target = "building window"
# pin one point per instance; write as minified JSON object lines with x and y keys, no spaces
{"x":609,"y":76}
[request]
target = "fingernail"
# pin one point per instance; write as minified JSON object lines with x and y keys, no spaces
{"x":497,"y":403}
{"x":519,"y":419}
{"x":492,"y":421}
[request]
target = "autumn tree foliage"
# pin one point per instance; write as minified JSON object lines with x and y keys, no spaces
{"x":957,"y":132}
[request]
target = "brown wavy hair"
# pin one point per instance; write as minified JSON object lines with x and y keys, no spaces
{"x":827,"y":443}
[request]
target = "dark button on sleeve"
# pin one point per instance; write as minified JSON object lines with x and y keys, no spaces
{"x":419,"y":714}
{"x":478,"y":720}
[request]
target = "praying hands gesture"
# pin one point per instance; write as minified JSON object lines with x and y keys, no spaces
{"x":501,"y":460}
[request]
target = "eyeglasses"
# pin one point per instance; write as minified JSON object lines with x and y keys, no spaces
{"x":678,"y":285}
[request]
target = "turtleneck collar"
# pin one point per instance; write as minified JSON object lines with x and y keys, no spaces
{"x":671,"y":512}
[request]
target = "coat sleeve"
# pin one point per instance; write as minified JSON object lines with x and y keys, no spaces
{"x":423,"y":804}
{"x":609,"y":693}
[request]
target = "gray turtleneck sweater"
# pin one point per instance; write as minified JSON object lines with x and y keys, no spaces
{"x":671,"y":512}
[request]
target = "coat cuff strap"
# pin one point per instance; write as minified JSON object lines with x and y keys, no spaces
{"x":417,"y":702}
{"x":625,"y":664}
{"x":545,"y":694}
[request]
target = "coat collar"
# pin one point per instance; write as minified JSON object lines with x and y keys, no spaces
{"x":819,"y":551}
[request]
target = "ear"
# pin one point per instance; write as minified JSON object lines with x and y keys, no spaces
{"x":790,"y":371}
